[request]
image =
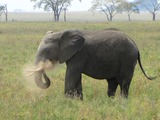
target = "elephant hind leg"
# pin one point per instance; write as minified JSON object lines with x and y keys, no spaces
{"x":112,"y":86}
{"x":125,"y":79}
{"x":124,"y":89}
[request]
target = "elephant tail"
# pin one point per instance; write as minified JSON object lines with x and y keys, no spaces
{"x":139,"y":61}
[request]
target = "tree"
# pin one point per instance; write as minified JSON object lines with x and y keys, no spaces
{"x":109,"y":7}
{"x":129,"y":8}
{"x":55,"y":5}
{"x":153,"y":6}
{"x":3,"y":9}
{"x":65,"y":11}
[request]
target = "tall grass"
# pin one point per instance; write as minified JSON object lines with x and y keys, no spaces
{"x":21,"y":99}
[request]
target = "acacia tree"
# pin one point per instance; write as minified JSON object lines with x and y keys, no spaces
{"x":109,"y":7}
{"x":129,"y":8}
{"x":55,"y":5}
{"x":153,"y":6}
{"x":3,"y":9}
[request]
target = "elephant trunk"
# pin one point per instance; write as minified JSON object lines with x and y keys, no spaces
{"x":40,"y":71}
{"x":38,"y":79}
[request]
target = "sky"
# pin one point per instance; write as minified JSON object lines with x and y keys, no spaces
{"x":27,"y":6}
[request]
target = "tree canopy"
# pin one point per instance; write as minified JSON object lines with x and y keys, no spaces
{"x":153,"y":6}
{"x":55,"y":5}
{"x":129,"y":8}
{"x":109,"y":7}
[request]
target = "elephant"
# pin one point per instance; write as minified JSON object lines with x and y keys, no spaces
{"x":107,"y":54}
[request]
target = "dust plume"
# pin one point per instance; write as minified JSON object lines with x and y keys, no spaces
{"x":28,"y":74}
{"x":29,"y":79}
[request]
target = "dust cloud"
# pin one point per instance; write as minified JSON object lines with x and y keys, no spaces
{"x":29,"y":78}
{"x":28,"y":74}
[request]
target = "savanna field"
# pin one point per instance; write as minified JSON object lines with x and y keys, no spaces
{"x":21,"y":99}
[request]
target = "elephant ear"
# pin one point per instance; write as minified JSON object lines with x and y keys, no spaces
{"x":70,"y":43}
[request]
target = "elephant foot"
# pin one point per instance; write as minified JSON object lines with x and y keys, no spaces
{"x":74,"y":95}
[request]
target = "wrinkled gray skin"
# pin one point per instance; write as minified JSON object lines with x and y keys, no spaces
{"x":108,"y":54}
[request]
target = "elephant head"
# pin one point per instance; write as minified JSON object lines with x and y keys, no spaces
{"x":55,"y":47}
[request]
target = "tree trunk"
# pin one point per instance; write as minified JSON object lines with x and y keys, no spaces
{"x":56,"y":16}
{"x":129,"y":17}
{"x":110,"y":18}
{"x":154,"y":16}
{"x":107,"y":17}
{"x":0,"y":16}
{"x":65,"y":19}
{"x":6,"y":13}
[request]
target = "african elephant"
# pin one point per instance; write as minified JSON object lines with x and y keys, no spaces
{"x":107,"y":54}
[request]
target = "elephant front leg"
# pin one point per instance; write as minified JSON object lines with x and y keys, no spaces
{"x":73,"y":84}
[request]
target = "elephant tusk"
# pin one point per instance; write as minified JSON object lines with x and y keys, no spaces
{"x":36,"y":70}
{"x":33,"y":71}
{"x":29,"y":74}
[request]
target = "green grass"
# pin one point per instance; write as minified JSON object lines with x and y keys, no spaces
{"x":21,"y":99}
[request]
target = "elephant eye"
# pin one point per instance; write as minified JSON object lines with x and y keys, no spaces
{"x":48,"y":41}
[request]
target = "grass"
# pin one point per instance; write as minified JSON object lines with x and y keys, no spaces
{"x":21,"y":99}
